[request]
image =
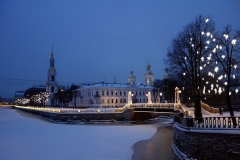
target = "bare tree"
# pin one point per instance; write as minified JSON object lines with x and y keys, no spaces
{"x":185,"y":55}
{"x":227,"y":57}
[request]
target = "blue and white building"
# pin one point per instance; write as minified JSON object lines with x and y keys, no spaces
{"x":115,"y":94}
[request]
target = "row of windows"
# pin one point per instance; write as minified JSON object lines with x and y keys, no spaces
{"x":111,"y":93}
{"x":102,"y":101}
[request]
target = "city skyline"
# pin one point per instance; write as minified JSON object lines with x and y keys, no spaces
{"x":94,"y":39}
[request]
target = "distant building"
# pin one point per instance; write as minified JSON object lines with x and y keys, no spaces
{"x":18,"y":94}
{"x":34,"y":90}
{"x":114,"y":94}
{"x":51,"y":84}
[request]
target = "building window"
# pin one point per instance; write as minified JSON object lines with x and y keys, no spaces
{"x":52,"y":78}
{"x":116,"y":93}
{"x":108,"y":101}
{"x":140,"y":93}
{"x":107,"y":93}
{"x":116,"y":101}
{"x":140,"y":99}
{"x":120,"y":93}
{"x":112,"y":93}
{"x":124,"y":93}
{"x":102,"y":93}
{"x":112,"y":100}
{"x":144,"y":100}
{"x":52,"y":89}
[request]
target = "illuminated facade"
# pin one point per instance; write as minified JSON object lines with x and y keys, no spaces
{"x":114,"y":94}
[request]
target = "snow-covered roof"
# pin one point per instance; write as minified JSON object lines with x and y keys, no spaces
{"x":115,"y":85}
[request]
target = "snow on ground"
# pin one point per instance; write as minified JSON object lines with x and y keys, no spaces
{"x":23,"y":136}
{"x":208,"y":114}
{"x":225,"y":114}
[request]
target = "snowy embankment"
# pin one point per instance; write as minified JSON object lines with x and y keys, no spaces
{"x":23,"y":136}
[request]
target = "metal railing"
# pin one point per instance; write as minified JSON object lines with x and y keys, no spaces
{"x":208,"y":122}
{"x":153,"y":105}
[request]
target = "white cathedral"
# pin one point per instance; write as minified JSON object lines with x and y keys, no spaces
{"x":115,"y":94}
{"x":51,"y":84}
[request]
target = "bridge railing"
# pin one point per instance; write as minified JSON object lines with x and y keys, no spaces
{"x":208,"y":122}
{"x":153,"y":105}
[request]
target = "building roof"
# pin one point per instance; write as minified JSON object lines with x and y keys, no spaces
{"x":19,"y":94}
{"x":115,"y":85}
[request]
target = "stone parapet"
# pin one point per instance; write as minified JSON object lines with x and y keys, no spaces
{"x":220,"y":144}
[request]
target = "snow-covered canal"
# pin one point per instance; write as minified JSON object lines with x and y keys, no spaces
{"x":25,"y":136}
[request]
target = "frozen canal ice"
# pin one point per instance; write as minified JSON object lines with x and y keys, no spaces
{"x":25,"y":136}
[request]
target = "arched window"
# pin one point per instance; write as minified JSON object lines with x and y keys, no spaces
{"x":52,"y":78}
{"x":52,"y":89}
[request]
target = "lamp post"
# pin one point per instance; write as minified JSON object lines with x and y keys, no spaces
{"x":160,"y":94}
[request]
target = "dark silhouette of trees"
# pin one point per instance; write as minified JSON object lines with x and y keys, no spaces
{"x":65,"y":95}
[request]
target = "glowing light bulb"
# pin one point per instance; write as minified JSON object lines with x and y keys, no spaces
{"x":208,"y":34}
{"x":203,"y":33}
{"x":226,"y":36}
{"x":234,"y":41}
{"x":235,"y":66}
{"x":223,"y":56}
{"x":206,"y":20}
{"x":225,"y":83}
{"x":236,"y":90}
{"x":214,"y":50}
{"x":216,"y":69}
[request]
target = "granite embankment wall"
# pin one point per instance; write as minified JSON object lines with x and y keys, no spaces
{"x":126,"y":115}
{"x":206,"y":144}
{"x":129,"y":114}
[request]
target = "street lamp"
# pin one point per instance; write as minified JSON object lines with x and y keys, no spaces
{"x":160,"y":94}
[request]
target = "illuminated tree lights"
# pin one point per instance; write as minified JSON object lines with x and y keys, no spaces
{"x":40,"y":98}
{"x":207,"y":60}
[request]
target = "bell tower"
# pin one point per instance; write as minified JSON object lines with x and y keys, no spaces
{"x":148,"y":76}
{"x":52,"y":85}
{"x":132,"y":78}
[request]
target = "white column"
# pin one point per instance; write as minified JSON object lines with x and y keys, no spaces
{"x":149,"y":97}
{"x":129,"y":97}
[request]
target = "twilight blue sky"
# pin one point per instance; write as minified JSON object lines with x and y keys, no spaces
{"x":94,"y":38}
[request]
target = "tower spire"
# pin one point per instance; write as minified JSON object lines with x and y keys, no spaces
{"x":52,"y":49}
